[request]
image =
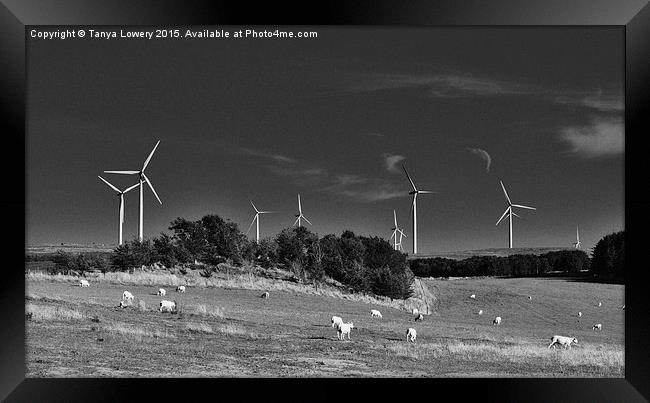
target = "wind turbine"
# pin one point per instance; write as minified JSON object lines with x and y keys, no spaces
{"x":414,"y":209}
{"x":257,"y":218}
{"x":396,"y":245}
{"x":577,"y":242}
{"x":299,"y":215}
{"x":510,"y":213}
{"x":143,"y":178}
{"x":120,"y":193}
{"x":399,"y":244}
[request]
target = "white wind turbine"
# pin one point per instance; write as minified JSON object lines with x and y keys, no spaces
{"x":143,"y":178}
{"x":577,"y":242}
{"x":414,"y":209}
{"x":396,"y":245}
{"x":299,"y":215}
{"x":510,"y":213}
{"x":120,"y":193}
{"x":257,"y":218}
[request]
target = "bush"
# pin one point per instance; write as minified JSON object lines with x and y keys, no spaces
{"x":608,"y":260}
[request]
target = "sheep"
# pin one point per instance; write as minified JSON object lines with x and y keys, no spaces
{"x":497,"y":320}
{"x":563,"y":341}
{"x":415,"y":312}
{"x":530,"y":298}
{"x":598,"y":326}
{"x":473,"y":296}
{"x":600,"y":304}
{"x":265,"y":295}
{"x":480,"y":312}
{"x":375,"y":313}
{"x":336,"y":320}
{"x":167,"y":305}
{"x":161,"y":292}
{"x":343,"y":329}
{"x":419,"y":318}
{"x":180,"y":288}
{"x":411,"y":334}
{"x":580,"y":314}
{"x":623,"y":307}
{"x":127,"y":296}
{"x":84,"y":283}
{"x":124,"y":304}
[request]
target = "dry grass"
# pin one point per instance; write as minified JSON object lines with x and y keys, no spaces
{"x":136,"y":332}
{"x":234,"y":329}
{"x":215,"y":312}
{"x":44,"y":312}
{"x":201,"y":327}
{"x":142,"y":306}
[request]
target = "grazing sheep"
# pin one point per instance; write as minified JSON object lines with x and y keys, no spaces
{"x":598,"y":326}
{"x":480,"y":312}
{"x":124,"y":304}
{"x":265,"y":295}
{"x":473,"y":296}
{"x":497,"y":320}
{"x":600,"y":304}
{"x":530,"y":298}
{"x":167,"y":306}
{"x":419,"y":318}
{"x":344,"y":328}
{"x":127,"y":296}
{"x":84,"y":283}
{"x":161,"y":292}
{"x":623,"y":307}
{"x":411,"y":334}
{"x":180,"y":288}
{"x":336,"y":320}
{"x":563,"y":341}
{"x":415,"y":312}
{"x":580,"y":314}
{"x":375,"y":313}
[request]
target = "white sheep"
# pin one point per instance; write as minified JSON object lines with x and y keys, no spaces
{"x":419,"y":318}
{"x":265,"y":295}
{"x":124,"y":304}
{"x":623,"y":307}
{"x":480,"y":312}
{"x":180,"y":288}
{"x":336,"y":320}
{"x":343,"y":329}
{"x":375,"y":313}
{"x":84,"y":283}
{"x":580,"y":314}
{"x":598,"y":326}
{"x":411,"y":334}
{"x":600,"y":304}
{"x":473,"y":296}
{"x":415,"y":311}
{"x":497,"y":320}
{"x":167,"y":305}
{"x":563,"y":341}
{"x":530,"y":298}
{"x":162,"y":292}
{"x":127,"y":296}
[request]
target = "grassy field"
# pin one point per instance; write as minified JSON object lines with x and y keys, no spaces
{"x":232,"y":332}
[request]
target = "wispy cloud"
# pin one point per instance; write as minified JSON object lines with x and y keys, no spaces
{"x":602,"y":137}
{"x":300,"y":172}
{"x":376,"y":135}
{"x":391,"y":160}
{"x":484,"y":155}
{"x":599,"y":101}
{"x":271,"y":156}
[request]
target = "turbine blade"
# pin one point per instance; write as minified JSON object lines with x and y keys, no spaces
{"x":122,"y":209}
{"x":304,"y":218}
{"x":514,"y":214}
{"x":395,"y":216}
{"x":254,"y":207}
{"x":265,"y":212}
{"x":151,"y":186}
{"x":131,"y":188}
{"x":296,"y":222}
{"x":122,"y":172}
{"x":409,"y":178}
{"x":505,"y":193}
{"x":250,"y":226}
{"x":520,"y":206}
{"x":426,"y":191}
{"x":146,"y":162}
{"x":299,"y":205}
{"x":403,"y":234}
{"x":393,"y":234}
{"x":503,"y":215}
{"x":109,"y":184}
{"x":412,"y":205}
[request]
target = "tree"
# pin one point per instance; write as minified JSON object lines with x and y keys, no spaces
{"x":608,"y":260}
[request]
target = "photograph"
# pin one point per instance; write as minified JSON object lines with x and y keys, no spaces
{"x":323,"y":201}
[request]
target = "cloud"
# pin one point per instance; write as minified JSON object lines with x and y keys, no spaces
{"x":390,"y":160}
{"x":302,"y":172}
{"x":376,"y":135}
{"x":363,"y":189}
{"x":599,"y":101}
{"x":271,"y":156}
{"x":600,"y":138}
{"x":484,"y":155}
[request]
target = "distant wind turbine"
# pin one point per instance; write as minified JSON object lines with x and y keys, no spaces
{"x":399,"y":244}
{"x":510,"y":213}
{"x":299,"y":215}
{"x":396,"y":245}
{"x":414,"y":209}
{"x":120,"y":193}
{"x":577,"y":242}
{"x":143,"y":178}
{"x":257,"y":218}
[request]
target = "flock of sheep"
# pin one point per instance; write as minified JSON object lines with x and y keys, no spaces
{"x":344,"y":329}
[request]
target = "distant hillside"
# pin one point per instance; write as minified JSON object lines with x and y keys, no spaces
{"x":499,"y":252}
{"x":78,"y":248}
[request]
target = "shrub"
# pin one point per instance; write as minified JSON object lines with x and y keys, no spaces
{"x":608,"y":261}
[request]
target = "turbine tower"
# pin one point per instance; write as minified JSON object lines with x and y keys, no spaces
{"x":143,"y":178}
{"x":299,"y":215}
{"x":257,"y":218}
{"x":577,"y":242}
{"x":396,"y":245}
{"x":510,"y":213}
{"x":120,"y":193}
{"x":414,"y":209}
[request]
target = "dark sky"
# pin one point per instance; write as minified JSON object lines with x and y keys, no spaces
{"x":333,"y":118}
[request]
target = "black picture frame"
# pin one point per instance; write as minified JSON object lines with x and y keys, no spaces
{"x":631,"y":15}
